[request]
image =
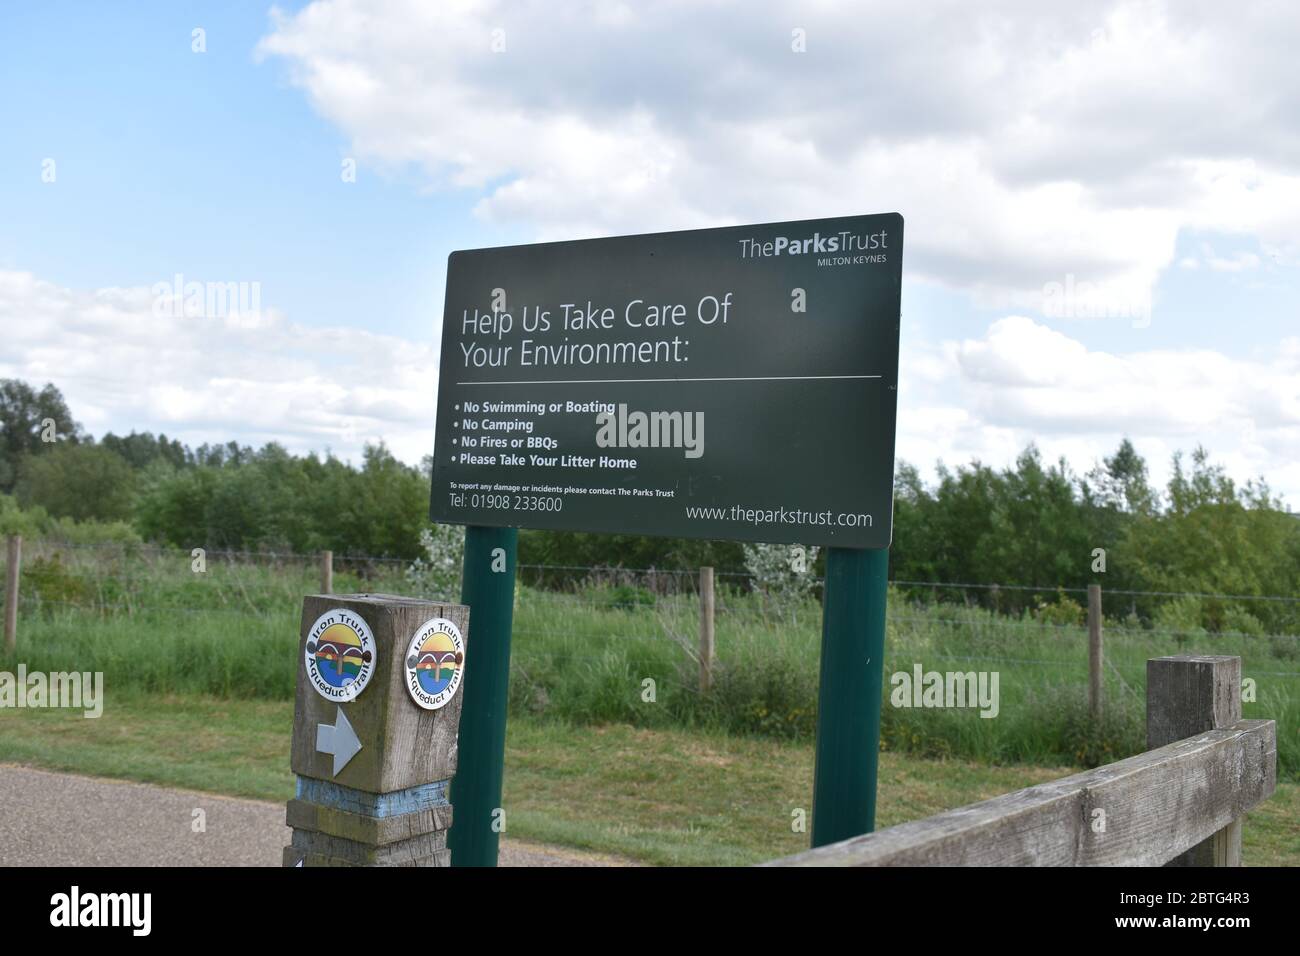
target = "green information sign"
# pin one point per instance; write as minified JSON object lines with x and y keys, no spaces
{"x":736,"y":383}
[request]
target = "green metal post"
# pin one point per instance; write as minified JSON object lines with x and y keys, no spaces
{"x":488,"y":587}
{"x":848,"y":707}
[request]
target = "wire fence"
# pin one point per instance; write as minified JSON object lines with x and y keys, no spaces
{"x":586,"y":637}
{"x":587,"y":571}
{"x":36,"y":602}
{"x":116,"y":578}
{"x":633,"y":630}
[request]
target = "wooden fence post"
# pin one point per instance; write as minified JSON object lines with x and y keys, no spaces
{"x":1094,"y":651}
{"x":327,"y":572}
{"x":1189,"y":695}
{"x":706,"y":629}
{"x":11,"y":591}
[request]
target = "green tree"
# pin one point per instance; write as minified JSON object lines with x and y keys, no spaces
{"x":913,"y":556}
{"x":142,"y":449}
{"x":1037,"y":536}
{"x":31,"y":423}
{"x":385,"y":509}
{"x":962,"y":527}
{"x":173,"y":506}
{"x":1216,"y":538}
{"x":83,"y":482}
{"x":1121,"y":482}
{"x":1116,"y":496}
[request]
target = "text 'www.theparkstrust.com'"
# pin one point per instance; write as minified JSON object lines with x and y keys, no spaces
{"x":770,"y":516}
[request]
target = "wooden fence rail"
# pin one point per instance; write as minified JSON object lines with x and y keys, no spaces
{"x":1178,"y":804}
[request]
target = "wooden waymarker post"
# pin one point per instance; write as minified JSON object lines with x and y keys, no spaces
{"x":374,"y":772}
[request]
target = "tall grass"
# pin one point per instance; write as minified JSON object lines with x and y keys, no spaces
{"x":577,"y":658}
{"x":617,"y":652}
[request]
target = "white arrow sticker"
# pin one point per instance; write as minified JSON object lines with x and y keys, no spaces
{"x":339,"y":740}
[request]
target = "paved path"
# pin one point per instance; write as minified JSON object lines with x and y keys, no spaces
{"x":60,"y":819}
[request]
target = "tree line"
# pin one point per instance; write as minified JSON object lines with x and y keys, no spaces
{"x":1034,"y":524}
{"x":227,"y":496}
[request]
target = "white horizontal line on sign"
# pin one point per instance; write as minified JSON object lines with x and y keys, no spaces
{"x":628,"y":381}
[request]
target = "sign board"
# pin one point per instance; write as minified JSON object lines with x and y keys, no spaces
{"x":736,"y":383}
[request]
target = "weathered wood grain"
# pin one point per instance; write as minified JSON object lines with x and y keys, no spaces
{"x":376,"y":831}
{"x":295,"y":857}
{"x":1189,"y":694}
{"x":403,"y":745}
{"x":403,"y":852}
{"x":1156,"y":805}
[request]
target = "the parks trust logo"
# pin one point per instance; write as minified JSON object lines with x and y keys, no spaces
{"x":843,"y":241}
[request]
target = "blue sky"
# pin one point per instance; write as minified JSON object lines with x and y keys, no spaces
{"x":1148,"y":150}
{"x":209,"y":165}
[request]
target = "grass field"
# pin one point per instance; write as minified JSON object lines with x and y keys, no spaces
{"x":200,"y":669}
{"x":660,"y":796}
{"x":151,"y":624}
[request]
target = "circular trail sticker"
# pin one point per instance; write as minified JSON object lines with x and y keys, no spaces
{"x":435,"y":663}
{"x":340,"y":655}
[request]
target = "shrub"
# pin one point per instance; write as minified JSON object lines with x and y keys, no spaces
{"x":621,"y":597}
{"x":49,"y":580}
{"x":436,"y":573}
{"x":1063,"y":611}
{"x":67,"y":531}
{"x":782,"y":571}
{"x":1182,"y":615}
{"x":1082,"y":739}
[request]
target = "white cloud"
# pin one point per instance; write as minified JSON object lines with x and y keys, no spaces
{"x":1023,"y":142}
{"x":263,"y":378}
{"x":1237,"y":262}
{"x":122,"y":364}
{"x":1024,"y":382}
